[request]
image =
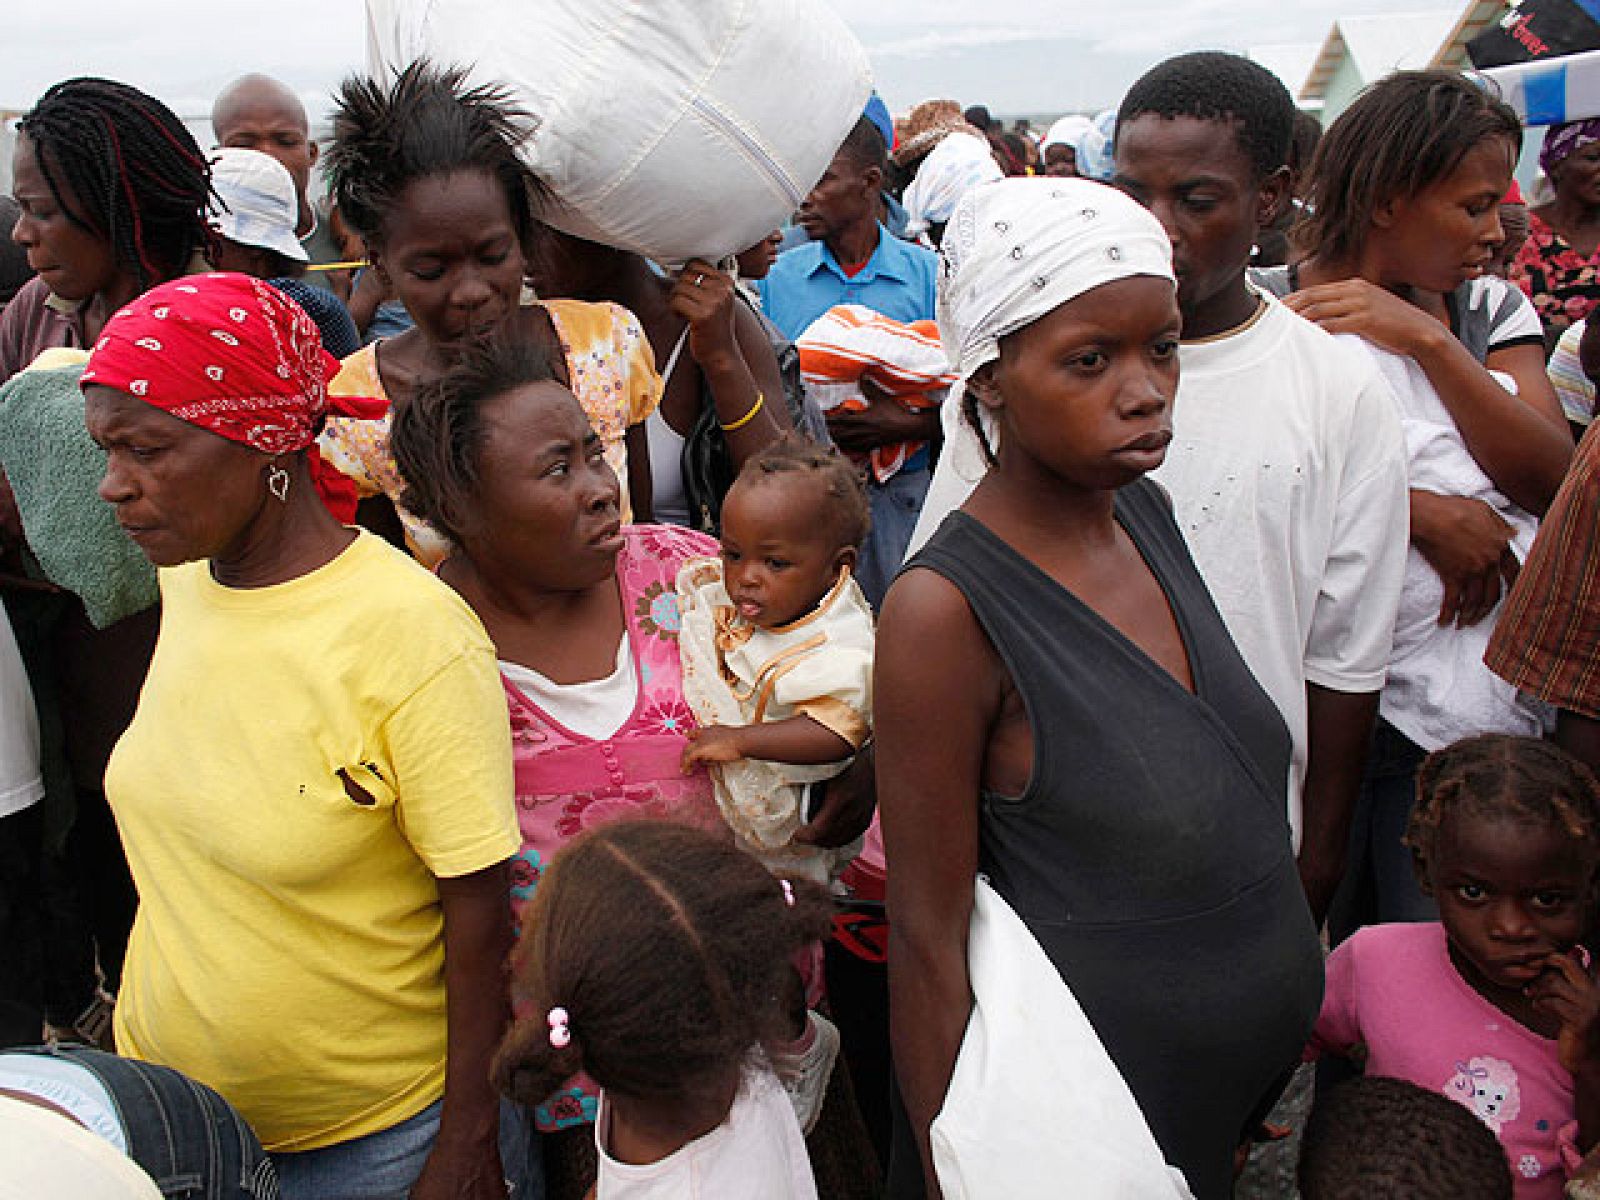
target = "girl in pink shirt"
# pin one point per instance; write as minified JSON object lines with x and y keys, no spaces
{"x":1493,"y":1005}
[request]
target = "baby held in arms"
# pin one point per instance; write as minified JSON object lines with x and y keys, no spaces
{"x":777,"y":648}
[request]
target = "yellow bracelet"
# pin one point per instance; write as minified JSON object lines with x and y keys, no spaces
{"x":748,"y":417}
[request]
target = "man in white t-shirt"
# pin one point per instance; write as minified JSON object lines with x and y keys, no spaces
{"x":21,"y":787}
{"x":1287,"y":466}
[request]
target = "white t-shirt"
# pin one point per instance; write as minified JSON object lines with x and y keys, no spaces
{"x":595,"y":709}
{"x":1287,"y":474}
{"x":1288,"y":479}
{"x":20,"y":782}
{"x":757,"y":1151}
{"x":1439,"y":689}
{"x":669,"y":498}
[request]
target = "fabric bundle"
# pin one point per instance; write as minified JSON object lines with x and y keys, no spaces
{"x":55,"y":469}
{"x":953,"y":168}
{"x":850,"y":343}
{"x":674,"y":129}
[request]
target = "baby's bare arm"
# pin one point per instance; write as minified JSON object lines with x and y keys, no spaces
{"x":798,"y":740}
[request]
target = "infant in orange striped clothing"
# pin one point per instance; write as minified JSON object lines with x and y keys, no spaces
{"x":851,"y":347}
{"x":776,"y":645}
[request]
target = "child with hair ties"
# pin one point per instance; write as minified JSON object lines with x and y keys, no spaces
{"x":776,"y":644}
{"x":1506,"y":838}
{"x":653,"y":958}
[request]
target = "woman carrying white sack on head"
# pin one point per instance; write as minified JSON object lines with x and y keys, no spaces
{"x":953,"y":168}
{"x":1096,"y":909}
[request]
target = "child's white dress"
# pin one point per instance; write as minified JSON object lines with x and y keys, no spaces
{"x":756,"y":1152}
{"x":819,"y":666}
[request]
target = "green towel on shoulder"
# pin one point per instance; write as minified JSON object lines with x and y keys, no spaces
{"x":55,"y":469}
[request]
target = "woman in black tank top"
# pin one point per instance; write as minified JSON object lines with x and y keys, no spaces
{"x":1059,"y":706}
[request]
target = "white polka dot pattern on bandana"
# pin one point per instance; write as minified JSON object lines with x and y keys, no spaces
{"x":234,"y":356}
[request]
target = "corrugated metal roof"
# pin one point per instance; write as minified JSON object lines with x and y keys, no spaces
{"x":1379,"y":45}
{"x":1479,"y":15}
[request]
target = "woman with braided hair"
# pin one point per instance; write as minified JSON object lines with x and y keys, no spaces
{"x":112,"y":192}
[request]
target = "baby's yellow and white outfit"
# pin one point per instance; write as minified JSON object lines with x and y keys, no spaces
{"x":734,"y":673}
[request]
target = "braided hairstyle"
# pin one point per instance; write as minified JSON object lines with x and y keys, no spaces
{"x":136,"y":173}
{"x":1499,"y":775}
{"x":1387,"y":1139}
{"x":426,"y":122}
{"x":669,"y":949}
{"x":848,"y":517}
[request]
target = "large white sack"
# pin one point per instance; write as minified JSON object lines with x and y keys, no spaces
{"x":673,"y":128}
{"x":1068,"y":1125}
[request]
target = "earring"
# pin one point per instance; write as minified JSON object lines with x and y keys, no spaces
{"x":278,"y":482}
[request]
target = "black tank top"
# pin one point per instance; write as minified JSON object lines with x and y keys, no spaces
{"x":1150,"y":853}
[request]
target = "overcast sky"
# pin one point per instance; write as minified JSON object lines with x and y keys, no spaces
{"x":1023,"y":56}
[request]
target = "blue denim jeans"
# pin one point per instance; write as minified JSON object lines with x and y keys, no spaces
{"x":185,"y":1136}
{"x":896,"y":505}
{"x":1379,"y":882}
{"x":384,"y":1165}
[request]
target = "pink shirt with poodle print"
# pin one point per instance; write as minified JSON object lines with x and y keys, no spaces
{"x":1393,"y":990}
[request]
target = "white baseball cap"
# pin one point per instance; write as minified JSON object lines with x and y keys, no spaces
{"x":260,"y":206}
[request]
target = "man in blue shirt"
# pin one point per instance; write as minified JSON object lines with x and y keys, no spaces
{"x":853,"y":259}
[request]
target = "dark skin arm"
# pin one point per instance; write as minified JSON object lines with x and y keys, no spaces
{"x":846,"y":804}
{"x":800,"y":740}
{"x":1338,"y":725}
{"x":640,"y":496}
{"x":929,"y":789}
{"x":726,"y":341}
{"x":1520,"y":441}
{"x":369,"y":292}
{"x":883,"y":422}
{"x":465,"y":1161}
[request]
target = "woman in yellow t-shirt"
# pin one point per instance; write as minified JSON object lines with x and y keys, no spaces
{"x":315,"y":793}
{"x":426,"y":171}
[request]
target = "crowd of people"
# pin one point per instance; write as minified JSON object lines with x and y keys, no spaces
{"x":970,"y":696}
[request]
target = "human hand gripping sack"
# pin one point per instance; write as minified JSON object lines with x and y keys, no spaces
{"x":703,"y":296}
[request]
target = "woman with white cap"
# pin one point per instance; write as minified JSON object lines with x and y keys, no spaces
{"x":1104,"y":757}
{"x":256,"y":216}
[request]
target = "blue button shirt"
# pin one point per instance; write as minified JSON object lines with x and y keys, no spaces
{"x":898,"y":281}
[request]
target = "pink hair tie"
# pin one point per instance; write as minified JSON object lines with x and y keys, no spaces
{"x":788,"y":892}
{"x":560,"y":1034}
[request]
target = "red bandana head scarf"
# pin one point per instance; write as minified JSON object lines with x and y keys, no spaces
{"x":226,"y":352}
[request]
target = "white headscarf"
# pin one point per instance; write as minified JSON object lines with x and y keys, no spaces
{"x":952,"y":169}
{"x":1018,"y":249}
{"x":1066,"y":132}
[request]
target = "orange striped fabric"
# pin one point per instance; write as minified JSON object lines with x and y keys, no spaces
{"x":851,"y":342}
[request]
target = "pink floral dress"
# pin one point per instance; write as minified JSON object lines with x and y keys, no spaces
{"x":567,"y":783}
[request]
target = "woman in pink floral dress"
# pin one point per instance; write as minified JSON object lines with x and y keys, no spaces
{"x":500,"y":458}
{"x":1559,"y":265}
